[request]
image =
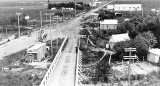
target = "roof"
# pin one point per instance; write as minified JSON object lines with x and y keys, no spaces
{"x":155,"y":51}
{"x":37,"y":46}
{"x":127,"y":2}
{"x":120,"y":37}
{"x":109,"y":21}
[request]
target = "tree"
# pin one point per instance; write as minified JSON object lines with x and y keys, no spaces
{"x":13,"y":20}
{"x":103,"y":71}
{"x":149,"y":36}
{"x":106,"y":15}
{"x":141,"y":45}
{"x":4,"y":23}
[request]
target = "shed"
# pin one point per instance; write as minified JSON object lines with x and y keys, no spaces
{"x":153,"y":55}
{"x":36,"y":52}
{"x":109,"y":24}
{"x":117,"y":38}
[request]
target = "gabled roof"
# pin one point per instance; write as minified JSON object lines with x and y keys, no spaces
{"x":155,"y":51}
{"x":109,"y":21}
{"x":119,"y":37}
{"x":127,"y":2}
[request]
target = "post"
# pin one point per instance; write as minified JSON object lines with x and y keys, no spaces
{"x":129,"y":67}
{"x":18,"y":14}
{"x":74,"y":7}
{"x":57,"y":29}
{"x":62,"y":14}
{"x":142,"y":11}
{"x":41,"y":18}
{"x":129,"y":50}
{"x":51,"y":35}
{"x":110,"y":58}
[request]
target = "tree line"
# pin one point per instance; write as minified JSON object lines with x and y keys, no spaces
{"x":79,"y":5}
{"x":13,"y":20}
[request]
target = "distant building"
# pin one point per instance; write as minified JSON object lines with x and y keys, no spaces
{"x":96,"y":3}
{"x":154,"y":55}
{"x":36,"y":52}
{"x":109,"y":24}
{"x":126,"y":6}
{"x":117,"y":38}
{"x":94,"y":15}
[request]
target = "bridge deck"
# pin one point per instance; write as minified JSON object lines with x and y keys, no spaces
{"x":64,"y":74}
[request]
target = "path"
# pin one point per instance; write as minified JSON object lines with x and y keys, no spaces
{"x":65,"y":69}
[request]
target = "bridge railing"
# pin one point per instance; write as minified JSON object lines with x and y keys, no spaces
{"x":78,"y":75}
{"x":49,"y":73}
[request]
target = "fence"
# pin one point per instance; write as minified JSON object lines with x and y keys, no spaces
{"x":78,"y":76}
{"x":48,"y":74}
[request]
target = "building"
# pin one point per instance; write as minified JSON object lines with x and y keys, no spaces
{"x":109,"y":24}
{"x":36,"y":52}
{"x":94,"y":15}
{"x":126,"y":6}
{"x":154,"y":55}
{"x":96,"y":3}
{"x":117,"y":38}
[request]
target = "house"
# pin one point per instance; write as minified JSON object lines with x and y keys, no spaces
{"x":36,"y":52}
{"x":117,"y":38}
{"x":109,"y":24}
{"x":95,"y":3}
{"x":125,"y":6}
{"x":154,"y":55}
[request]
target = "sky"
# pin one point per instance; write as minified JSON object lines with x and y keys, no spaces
{"x":35,"y":0}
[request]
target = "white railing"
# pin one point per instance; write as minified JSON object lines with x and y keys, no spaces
{"x":48,"y":74}
{"x":78,"y":76}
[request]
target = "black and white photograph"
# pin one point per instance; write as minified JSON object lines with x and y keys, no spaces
{"x":79,"y":42}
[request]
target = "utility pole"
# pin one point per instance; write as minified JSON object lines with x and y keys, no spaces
{"x":129,"y":57}
{"x":83,"y":5}
{"x":51,"y":33}
{"x":41,"y":18}
{"x":57,"y":28}
{"x":18,"y":14}
{"x":75,"y":7}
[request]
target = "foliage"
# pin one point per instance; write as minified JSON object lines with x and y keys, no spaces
{"x":140,"y":44}
{"x":150,"y":38}
{"x":79,"y":5}
{"x":4,"y":22}
{"x":15,"y":80}
{"x":22,"y":20}
{"x":84,"y":32}
{"x":103,"y":71}
{"x":104,"y":14}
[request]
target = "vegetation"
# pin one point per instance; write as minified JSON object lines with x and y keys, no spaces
{"x":79,"y":5}
{"x":104,"y":14}
{"x":56,"y":45}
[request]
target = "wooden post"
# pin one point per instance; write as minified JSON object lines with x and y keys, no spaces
{"x":110,"y":58}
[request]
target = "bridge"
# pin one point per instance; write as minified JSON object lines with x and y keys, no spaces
{"x":65,"y":70}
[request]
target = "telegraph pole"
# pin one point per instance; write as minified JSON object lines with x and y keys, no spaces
{"x":74,"y":7}
{"x":129,"y":57}
{"x":57,"y":28}
{"x":51,"y":33}
{"x":41,"y":18}
{"x":18,"y":14}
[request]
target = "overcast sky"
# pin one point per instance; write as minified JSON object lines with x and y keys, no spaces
{"x":37,"y":0}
